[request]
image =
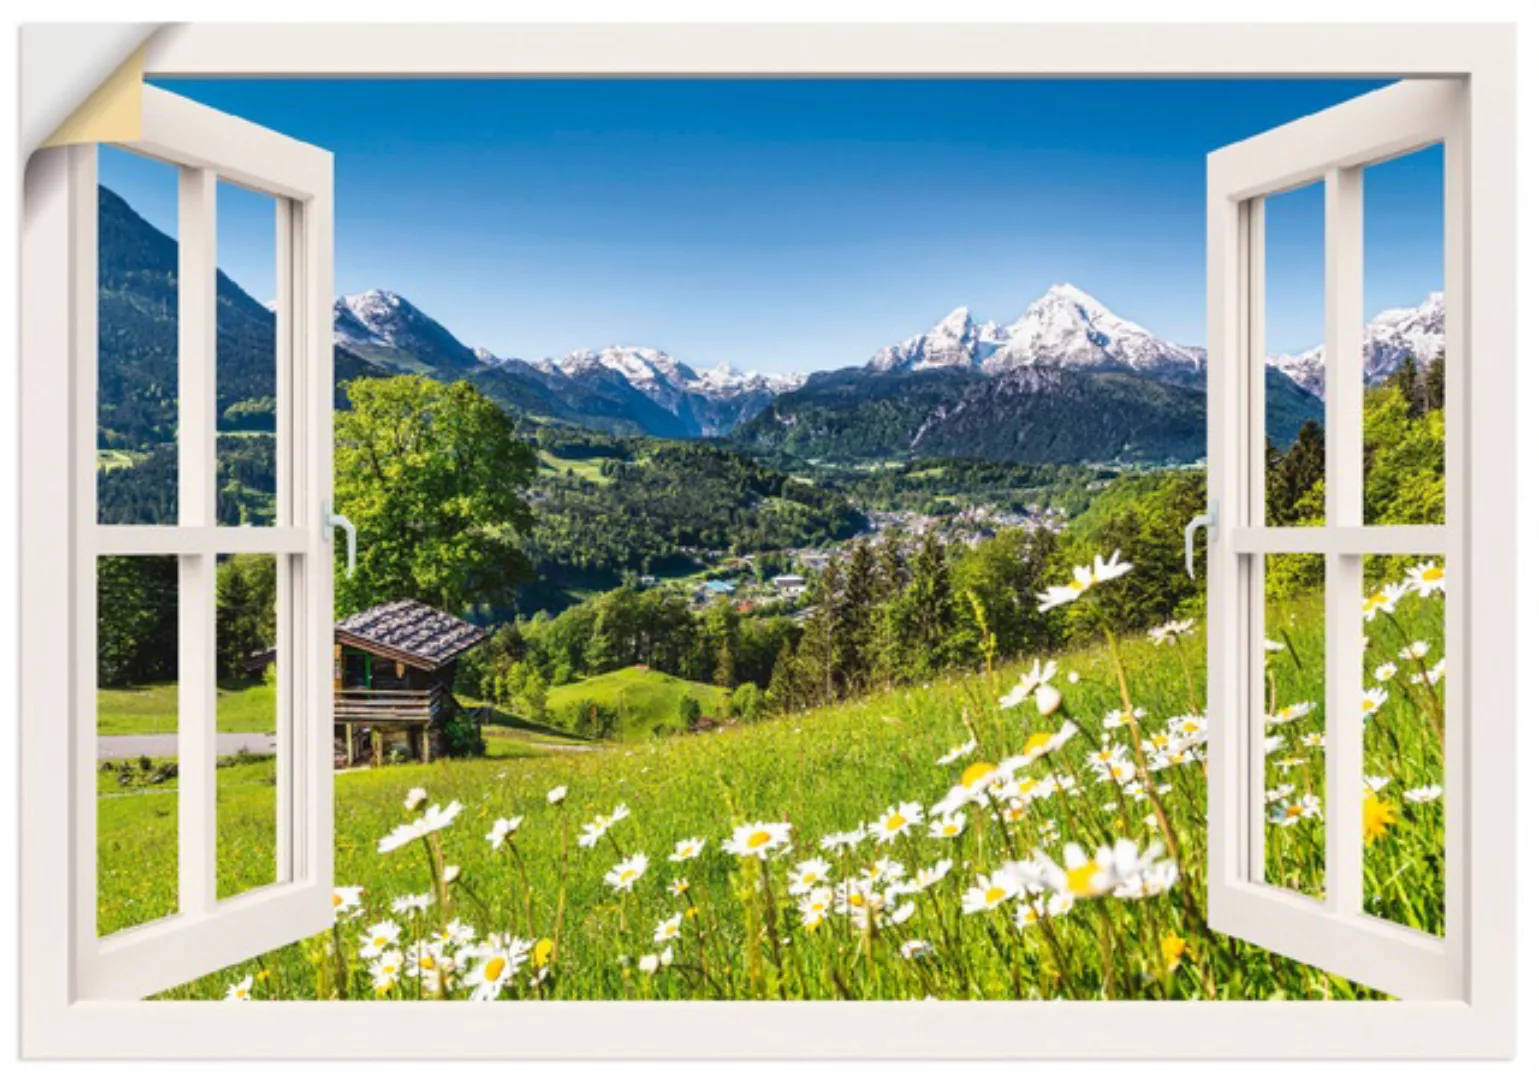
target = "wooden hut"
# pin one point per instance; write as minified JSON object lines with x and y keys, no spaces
{"x":393,"y":680}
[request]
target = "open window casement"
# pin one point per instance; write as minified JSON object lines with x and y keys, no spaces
{"x":1333,"y":931}
{"x":210,"y":150}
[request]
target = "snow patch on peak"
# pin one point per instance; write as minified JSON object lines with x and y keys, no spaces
{"x":1391,"y":336}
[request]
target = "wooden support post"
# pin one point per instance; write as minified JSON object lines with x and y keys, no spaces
{"x":348,"y":729}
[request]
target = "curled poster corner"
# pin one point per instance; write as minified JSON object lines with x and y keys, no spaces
{"x":112,"y":112}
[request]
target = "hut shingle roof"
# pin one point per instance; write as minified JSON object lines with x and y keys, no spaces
{"x":410,"y":631}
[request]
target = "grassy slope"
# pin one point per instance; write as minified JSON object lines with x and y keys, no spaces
{"x":146,"y":710}
{"x":644,"y":698}
{"x":824,"y":771}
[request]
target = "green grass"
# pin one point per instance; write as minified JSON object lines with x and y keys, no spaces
{"x":151,"y":710}
{"x":827,"y":771}
{"x":590,"y":469}
{"x":645,"y":699}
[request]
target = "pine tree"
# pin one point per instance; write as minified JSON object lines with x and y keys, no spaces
{"x":931,"y":605}
{"x":1434,"y":382}
{"x":1407,"y":380}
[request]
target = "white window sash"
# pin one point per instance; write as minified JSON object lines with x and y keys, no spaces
{"x":1334,"y":146}
{"x":207,"y":933}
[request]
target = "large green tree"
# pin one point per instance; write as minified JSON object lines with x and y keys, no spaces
{"x":434,"y":479}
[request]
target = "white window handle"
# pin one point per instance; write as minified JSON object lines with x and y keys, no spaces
{"x":332,"y":521}
{"x":1207,"y":521}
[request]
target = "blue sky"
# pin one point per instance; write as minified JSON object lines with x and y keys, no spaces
{"x":792,"y":224}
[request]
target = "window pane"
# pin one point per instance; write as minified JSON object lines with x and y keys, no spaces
{"x":247,"y":355}
{"x":1403,"y":356}
{"x":1295,"y":722}
{"x":1295,"y":373}
{"x":1403,"y":740}
{"x":136,"y":340}
{"x":247,"y":716}
{"x":136,"y":724}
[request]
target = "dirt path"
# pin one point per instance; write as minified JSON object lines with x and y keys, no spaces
{"x":115,"y":747}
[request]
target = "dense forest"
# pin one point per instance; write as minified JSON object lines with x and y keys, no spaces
{"x":648,"y":510}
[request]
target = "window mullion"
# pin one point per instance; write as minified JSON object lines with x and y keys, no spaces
{"x":1344,"y":509}
{"x":197,"y":339}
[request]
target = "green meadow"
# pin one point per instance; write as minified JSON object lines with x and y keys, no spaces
{"x":1008,"y":907}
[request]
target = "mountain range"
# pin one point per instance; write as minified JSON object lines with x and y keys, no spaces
{"x":620,"y":388}
{"x":1068,"y":380}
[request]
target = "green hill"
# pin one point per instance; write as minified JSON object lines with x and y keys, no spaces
{"x":644,"y":700}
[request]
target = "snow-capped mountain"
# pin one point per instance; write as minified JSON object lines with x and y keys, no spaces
{"x":725,"y":381}
{"x":1065,"y":327}
{"x":619,"y":387}
{"x":386,"y":328}
{"x":1393,"y":335}
{"x":955,"y":341}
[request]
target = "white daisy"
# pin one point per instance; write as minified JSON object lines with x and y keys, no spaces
{"x":961,"y":750}
{"x":991,"y":891}
{"x":1426,"y":578}
{"x":624,"y":875}
{"x":669,"y":929}
{"x":503,"y":828}
{"x":1430,"y":793}
{"x":947,"y":827}
{"x":688,"y":849}
{"x":379,"y":938}
{"x":415,"y":798}
{"x":759,"y":838}
{"x":807,"y":874}
{"x":240,"y":991}
{"x":493,"y":964}
{"x":556,"y":795}
{"x":895,"y":822}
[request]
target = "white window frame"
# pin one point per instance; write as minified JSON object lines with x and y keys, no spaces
{"x":204,"y":147}
{"x":1334,"y":147}
{"x":1479,"y":1022}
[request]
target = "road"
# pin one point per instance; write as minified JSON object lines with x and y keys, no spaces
{"x":113,"y":747}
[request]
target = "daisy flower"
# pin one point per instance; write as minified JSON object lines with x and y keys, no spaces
{"x":1081,"y":875}
{"x":415,"y":798}
{"x":1289,"y":713}
{"x":346,"y":900}
{"x":895,"y":822}
{"x":379,"y":938}
{"x":991,"y":891}
{"x":947,"y":827}
{"x":1385,"y":671}
{"x":843,"y":840}
{"x":759,"y":838}
{"x":652,"y":963}
{"x":405,"y":905}
{"x":1383,"y":599}
{"x":806,"y":875}
{"x":385,"y":971}
{"x":1168,"y":633}
{"x":240,"y":991}
{"x":1373,"y":700}
{"x":1426,"y":578}
{"x":669,"y":929}
{"x":688,"y":849}
{"x":503,"y":828}
{"x":1289,"y":812}
{"x":1419,"y":795}
{"x":494,"y":964}
{"x":556,"y":795}
{"x":679,"y":886}
{"x":624,"y":875}
{"x":914,"y":948}
{"x":1039,"y":675}
{"x":1416,"y":650}
{"x":1121,"y":717}
{"x":957,"y":752}
{"x":814,"y":907}
{"x":1058,"y":595}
